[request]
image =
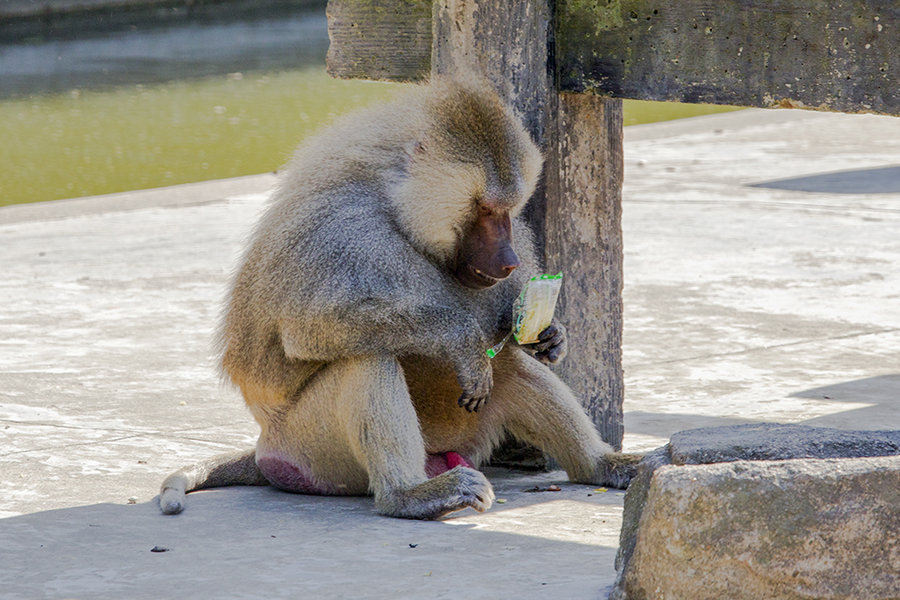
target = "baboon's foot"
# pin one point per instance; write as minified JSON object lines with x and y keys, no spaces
{"x":456,"y":489}
{"x":615,"y":470}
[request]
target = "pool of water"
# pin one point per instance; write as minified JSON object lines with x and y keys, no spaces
{"x":101,"y":50}
{"x":115,"y":101}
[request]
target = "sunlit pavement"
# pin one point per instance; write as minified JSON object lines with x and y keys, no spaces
{"x":761,"y":253}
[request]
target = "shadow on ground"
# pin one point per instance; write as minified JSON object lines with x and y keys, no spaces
{"x":881,"y":180}
{"x":880,"y":395}
{"x":663,"y":425}
{"x":236,"y":542}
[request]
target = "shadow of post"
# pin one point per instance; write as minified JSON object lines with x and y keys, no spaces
{"x":880,"y":395}
{"x":879,"y":180}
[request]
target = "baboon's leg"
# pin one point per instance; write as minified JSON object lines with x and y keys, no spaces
{"x":538,"y":408}
{"x":354,"y":426}
{"x":385,"y":436}
{"x":235,"y":468}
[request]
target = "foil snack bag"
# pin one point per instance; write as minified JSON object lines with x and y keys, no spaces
{"x":532,"y":311}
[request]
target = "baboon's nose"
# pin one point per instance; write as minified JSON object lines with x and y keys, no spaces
{"x":509,"y":262}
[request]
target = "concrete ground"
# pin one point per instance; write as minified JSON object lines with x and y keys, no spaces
{"x":762,"y":284}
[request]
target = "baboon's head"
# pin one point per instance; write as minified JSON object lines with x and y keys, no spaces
{"x":469,"y":173}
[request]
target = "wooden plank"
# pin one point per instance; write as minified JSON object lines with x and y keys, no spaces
{"x":577,"y":209}
{"x":584,"y":239}
{"x":826,"y":54}
{"x":379,"y":39}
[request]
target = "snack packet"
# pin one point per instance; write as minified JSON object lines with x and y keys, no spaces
{"x":532,"y":311}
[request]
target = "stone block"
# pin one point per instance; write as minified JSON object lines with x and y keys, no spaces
{"x":773,"y":441}
{"x":784,"y":512}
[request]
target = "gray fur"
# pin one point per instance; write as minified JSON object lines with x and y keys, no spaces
{"x":235,"y":468}
{"x":350,"y":337}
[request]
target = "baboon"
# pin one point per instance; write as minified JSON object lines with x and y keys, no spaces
{"x":356,"y":328}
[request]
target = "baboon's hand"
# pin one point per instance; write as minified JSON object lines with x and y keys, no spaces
{"x":552,"y":344}
{"x":476,"y":382}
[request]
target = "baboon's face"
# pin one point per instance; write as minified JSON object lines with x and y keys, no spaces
{"x":485,"y":254}
{"x":469,"y":172}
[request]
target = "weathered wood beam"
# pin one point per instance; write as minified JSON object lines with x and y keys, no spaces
{"x":379,"y":39}
{"x":827,"y":54}
{"x":837,"y":55}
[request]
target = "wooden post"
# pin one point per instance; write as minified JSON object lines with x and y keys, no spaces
{"x":584,"y":239}
{"x":576,"y":212}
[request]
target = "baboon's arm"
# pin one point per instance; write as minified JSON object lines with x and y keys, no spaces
{"x":395,"y":328}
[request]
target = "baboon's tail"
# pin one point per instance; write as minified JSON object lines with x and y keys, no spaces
{"x":234,"y":468}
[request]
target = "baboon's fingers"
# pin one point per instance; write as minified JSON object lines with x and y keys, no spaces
{"x":552,"y":331}
{"x":475,"y":389}
{"x":551,"y":356}
{"x":471,"y":404}
{"x":551,"y":345}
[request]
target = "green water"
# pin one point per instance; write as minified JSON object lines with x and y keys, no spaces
{"x":639,"y":112}
{"x":98,"y":142}
{"x":88,"y":143}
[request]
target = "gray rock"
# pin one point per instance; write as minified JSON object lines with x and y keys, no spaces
{"x":790,"y":512}
{"x":772,"y":441}
{"x":635,"y":498}
{"x":805,"y":528}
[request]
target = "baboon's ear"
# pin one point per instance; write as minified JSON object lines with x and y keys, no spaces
{"x":416,"y":148}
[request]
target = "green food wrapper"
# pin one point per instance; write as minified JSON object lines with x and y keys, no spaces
{"x":532,"y":311}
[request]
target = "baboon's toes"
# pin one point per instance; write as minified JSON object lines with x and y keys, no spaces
{"x":618,"y":469}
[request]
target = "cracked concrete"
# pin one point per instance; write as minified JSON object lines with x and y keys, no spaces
{"x":761,"y":254}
